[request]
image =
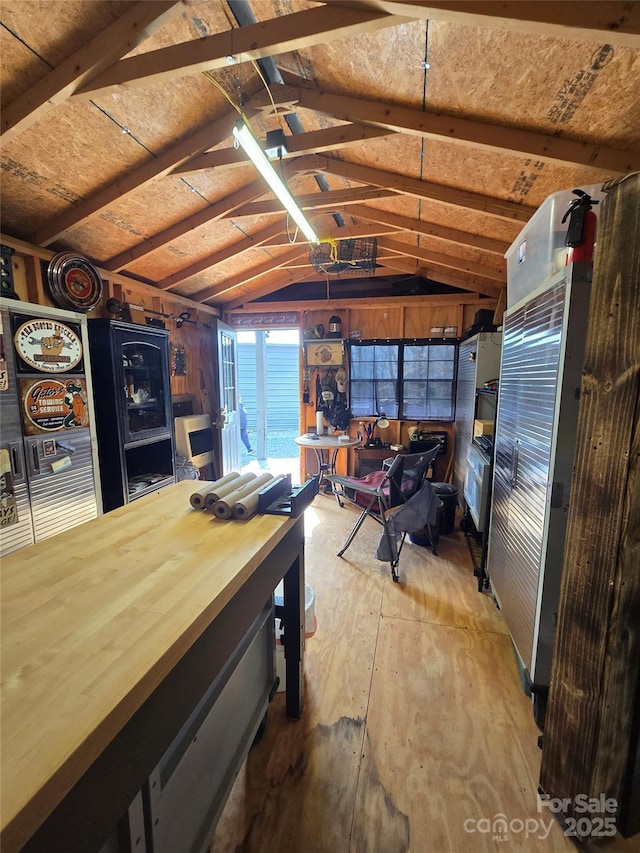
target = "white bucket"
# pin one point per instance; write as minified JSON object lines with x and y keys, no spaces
{"x":310,"y":627}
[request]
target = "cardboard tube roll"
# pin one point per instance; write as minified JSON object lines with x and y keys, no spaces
{"x":248,"y":505}
{"x":226,"y":489}
{"x":197,"y":499}
{"x":224,"y":507}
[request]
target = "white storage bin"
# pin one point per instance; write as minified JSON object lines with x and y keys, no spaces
{"x":539,"y":250}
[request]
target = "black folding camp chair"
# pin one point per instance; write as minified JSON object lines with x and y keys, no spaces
{"x":379,"y":492}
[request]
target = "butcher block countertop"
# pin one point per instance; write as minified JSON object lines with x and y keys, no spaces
{"x":93,"y":620}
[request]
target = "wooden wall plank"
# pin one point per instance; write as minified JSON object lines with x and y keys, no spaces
{"x":591,"y":732}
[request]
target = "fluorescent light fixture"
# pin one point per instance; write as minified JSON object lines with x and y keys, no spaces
{"x":242,"y":133}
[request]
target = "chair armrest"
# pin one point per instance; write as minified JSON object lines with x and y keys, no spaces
{"x":349,"y":483}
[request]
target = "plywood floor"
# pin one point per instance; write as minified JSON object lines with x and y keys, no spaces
{"x":416,"y":734}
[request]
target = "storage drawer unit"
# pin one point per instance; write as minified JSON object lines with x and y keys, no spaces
{"x":476,"y":485}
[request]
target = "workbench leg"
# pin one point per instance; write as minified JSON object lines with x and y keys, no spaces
{"x":294,"y":614}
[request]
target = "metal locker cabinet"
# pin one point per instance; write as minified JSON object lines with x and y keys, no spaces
{"x":478,"y":362}
{"x":538,"y":404}
{"x":20,"y":533}
{"x":54,"y":464}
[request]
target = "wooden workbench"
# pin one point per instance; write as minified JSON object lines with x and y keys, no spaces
{"x":111,"y":633}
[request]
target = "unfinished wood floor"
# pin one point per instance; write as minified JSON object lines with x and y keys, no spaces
{"x":416,"y":732}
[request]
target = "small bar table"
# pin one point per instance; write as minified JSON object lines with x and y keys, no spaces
{"x":326,"y":448}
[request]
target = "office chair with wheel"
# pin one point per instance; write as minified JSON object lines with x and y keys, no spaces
{"x":379,"y":493}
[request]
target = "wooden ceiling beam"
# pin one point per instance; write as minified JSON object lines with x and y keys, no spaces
{"x":283,"y":34}
{"x":248,"y":275}
{"x":333,"y":200}
{"x":153,"y":169}
{"x":349,"y":232}
{"x":374,"y":303}
{"x":505,"y":139}
{"x":617,"y":22}
{"x":507,"y":210}
{"x":249,"y":242}
{"x":428,"y":229}
{"x":132,"y":28}
{"x":304,"y":262}
{"x":313,"y":142}
{"x":219,"y":210}
{"x":441,"y":275}
{"x":157,"y":167}
{"x":283,"y":279}
{"x":442,"y":260}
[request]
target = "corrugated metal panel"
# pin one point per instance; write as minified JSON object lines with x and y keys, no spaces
{"x":465,"y":400}
{"x":19,"y":534}
{"x":60,"y":501}
{"x":527,"y":400}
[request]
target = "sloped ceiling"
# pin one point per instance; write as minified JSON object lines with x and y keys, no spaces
{"x":437,"y":128}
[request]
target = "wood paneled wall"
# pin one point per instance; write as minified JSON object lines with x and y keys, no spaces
{"x":392,"y":317}
{"x":591,"y":740}
{"x":197,"y":335}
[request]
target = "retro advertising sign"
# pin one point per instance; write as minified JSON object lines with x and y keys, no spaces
{"x":49,"y":405}
{"x":48,"y":346}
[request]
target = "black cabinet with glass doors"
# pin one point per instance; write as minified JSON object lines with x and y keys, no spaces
{"x":131,"y":384}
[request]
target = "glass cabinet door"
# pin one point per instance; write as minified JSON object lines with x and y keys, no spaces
{"x":145,"y":389}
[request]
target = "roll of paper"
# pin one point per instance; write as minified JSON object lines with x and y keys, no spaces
{"x":197,"y":499}
{"x":224,"y":507}
{"x":319,"y":423}
{"x":216,"y":494}
{"x":248,"y":505}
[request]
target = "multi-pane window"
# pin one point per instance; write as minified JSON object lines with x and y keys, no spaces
{"x":409,"y":380}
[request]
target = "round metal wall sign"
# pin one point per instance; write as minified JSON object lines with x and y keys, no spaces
{"x":48,"y":345}
{"x":74,"y":282}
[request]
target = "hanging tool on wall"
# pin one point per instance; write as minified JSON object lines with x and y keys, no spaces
{"x":329,"y":391}
{"x":341,"y":387}
{"x":305,"y":390}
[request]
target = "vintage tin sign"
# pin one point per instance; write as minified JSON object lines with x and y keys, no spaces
{"x":49,"y":405}
{"x":47,"y":345}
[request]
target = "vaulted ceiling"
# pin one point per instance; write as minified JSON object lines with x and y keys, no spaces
{"x":436,"y":128}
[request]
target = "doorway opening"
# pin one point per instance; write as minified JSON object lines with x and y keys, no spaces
{"x":269,"y":385}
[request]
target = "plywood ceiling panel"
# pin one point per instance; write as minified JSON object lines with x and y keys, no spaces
{"x":93,"y":174}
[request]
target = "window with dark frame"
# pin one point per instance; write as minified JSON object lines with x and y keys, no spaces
{"x":408,"y":380}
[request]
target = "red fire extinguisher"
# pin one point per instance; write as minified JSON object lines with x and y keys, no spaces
{"x":581,"y":231}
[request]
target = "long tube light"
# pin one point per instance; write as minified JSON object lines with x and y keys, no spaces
{"x":243,"y":135}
